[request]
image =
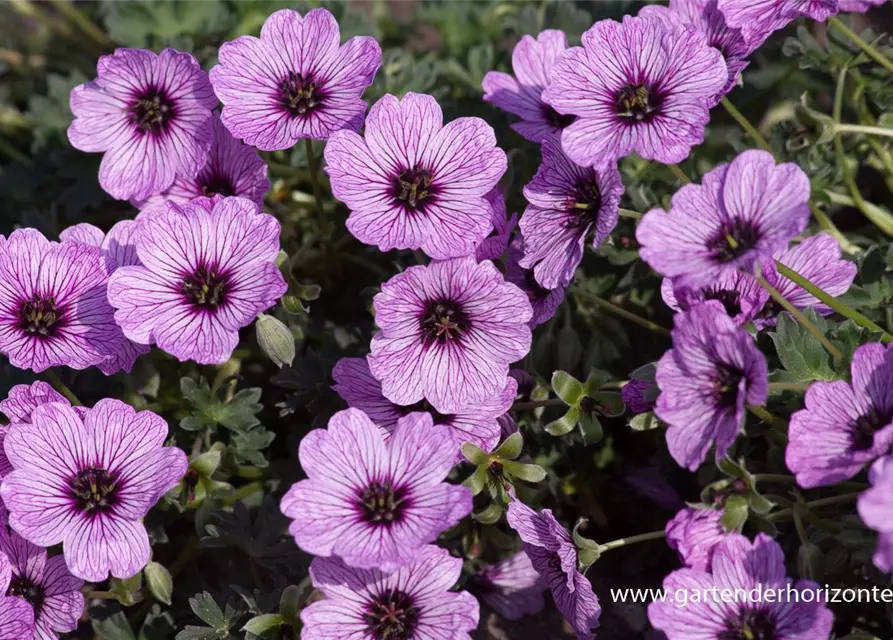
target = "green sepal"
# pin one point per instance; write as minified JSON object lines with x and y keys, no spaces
{"x":567,"y":387}
{"x":564,"y":424}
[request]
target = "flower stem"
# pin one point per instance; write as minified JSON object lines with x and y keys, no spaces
{"x":853,"y":37}
{"x":679,"y":173}
{"x":751,"y":130}
{"x":314,"y":179}
{"x":804,"y":322}
{"x":774,"y":477}
{"x":623,"y":313}
{"x":243,"y":492}
{"x":536,"y":404}
{"x":788,"y":386}
{"x":879,"y":217}
{"x":629,"y":213}
{"x":838,"y":306}
{"x":783,"y":514}
{"x":70,"y":11}
{"x":622,"y":542}
{"x":861,"y":128}
{"x":62,"y":388}
{"x":768,"y":417}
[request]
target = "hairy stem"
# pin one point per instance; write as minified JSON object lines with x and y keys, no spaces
{"x":62,"y":388}
{"x":623,"y":542}
{"x":869,"y":50}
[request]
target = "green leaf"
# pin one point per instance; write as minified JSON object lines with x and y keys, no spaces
{"x":209,"y":410}
{"x":569,"y":348}
{"x":264,"y":625}
{"x":510,"y":447}
{"x":275,"y":340}
{"x":206,"y":464}
{"x":735,"y":514}
{"x":567,"y":388}
{"x":564,"y":424}
{"x":644,"y":422}
{"x":204,"y":606}
{"x":490,"y":515}
{"x":525,"y":472}
{"x":115,"y":627}
{"x":159,"y":581}
{"x":139,"y":24}
{"x":289,"y":604}
{"x":591,"y":428}
{"x":474,"y":454}
{"x":800,"y":352}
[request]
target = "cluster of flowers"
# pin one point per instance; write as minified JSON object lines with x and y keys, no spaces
{"x":199,"y":263}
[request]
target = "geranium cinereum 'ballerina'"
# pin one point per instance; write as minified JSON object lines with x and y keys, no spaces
{"x":151,"y":116}
{"x":414,"y":183}
{"x":207,"y":269}
{"x":759,"y":19}
{"x":636,"y":86}
{"x":87,"y":483}
{"x":296,"y":81}
{"x":449,"y":332}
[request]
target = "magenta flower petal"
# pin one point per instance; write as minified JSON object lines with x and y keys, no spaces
{"x":493,"y":246}
{"x":454,"y":320}
{"x":387,"y":501}
{"x":88,"y":482}
{"x":741,"y":564}
{"x":554,"y":556}
{"x":191,"y":298}
{"x":16,"y":615}
{"x":232,"y":169}
{"x":569,"y":204}
{"x":740,"y":294}
{"x":759,"y":19}
{"x":151,"y":116}
{"x":511,"y":587}
{"x":544,"y":302}
{"x":876,"y":510}
{"x":705,"y":381}
{"x":532,"y":62}
{"x":743,"y":213}
{"x":843,"y":427}
{"x":53,"y":307}
{"x":412,"y":602}
{"x":859,"y":6}
{"x":415,"y":183}
{"x":636,"y":86}
{"x":295,"y":81}
{"x":694,"y":533}
{"x":24,"y":398}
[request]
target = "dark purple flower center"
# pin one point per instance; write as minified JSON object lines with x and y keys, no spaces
{"x":749,"y":624}
{"x":725,"y":390}
{"x":864,"y":427}
{"x":392,"y":616}
{"x":735,"y":238}
{"x":381,"y":503}
{"x":729,"y":298}
{"x":94,"y":490}
{"x":24,"y":588}
{"x":557,"y":120}
{"x":39,"y":316}
{"x":585,"y":203}
{"x":636,"y":103}
{"x":206,"y":287}
{"x":443,"y":321}
{"x":414,"y":186}
{"x":298,"y":94}
{"x":152,"y":112}
{"x":217,"y":185}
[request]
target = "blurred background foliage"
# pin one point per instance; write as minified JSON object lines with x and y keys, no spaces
{"x":247,"y":416}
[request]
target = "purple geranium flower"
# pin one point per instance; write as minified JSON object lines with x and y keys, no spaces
{"x":53,"y":307}
{"x":859,"y":6}
{"x":16,"y":615}
{"x":493,"y":246}
{"x":639,"y":396}
{"x":191,"y":298}
{"x":151,"y":116}
{"x":532,"y":62}
{"x":706,"y":17}
{"x":388,"y":499}
{"x":636,"y":86}
{"x":118,"y":249}
{"x":739,"y":293}
{"x":544,"y":302}
{"x":817,"y":259}
{"x":694,"y":533}
{"x":759,"y":19}
{"x":876,"y":510}
{"x":414,"y":182}
{"x":739,"y":565}
{"x":232,"y":169}
{"x":477,"y":423}
{"x":295,"y":81}
{"x":88,"y":482}
{"x":415,"y":601}
{"x":568,"y":203}
{"x":511,"y":587}
{"x":554,"y":556}
{"x":743,"y":212}
{"x":705,"y":381}
{"x":449,"y":331}
{"x":844,"y":427}
{"x":23,"y":399}
{"x":45,"y":583}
